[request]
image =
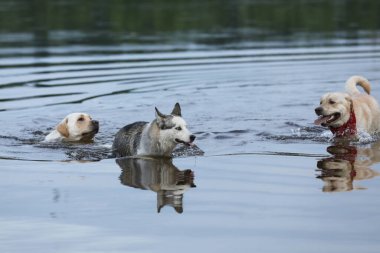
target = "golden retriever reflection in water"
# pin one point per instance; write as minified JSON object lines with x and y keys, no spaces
{"x":348,"y":164}
{"x":160,"y":176}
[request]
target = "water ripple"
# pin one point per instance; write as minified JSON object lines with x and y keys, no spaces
{"x":256,"y":92}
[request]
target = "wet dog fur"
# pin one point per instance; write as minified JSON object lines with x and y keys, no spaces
{"x":74,"y":127}
{"x":157,"y":138}
{"x":336,"y":108}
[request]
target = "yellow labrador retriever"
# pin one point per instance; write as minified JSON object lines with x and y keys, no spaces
{"x":346,"y":113}
{"x":74,"y":127}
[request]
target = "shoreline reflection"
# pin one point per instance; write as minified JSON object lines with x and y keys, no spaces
{"x":346,"y":165}
{"x":160,"y":176}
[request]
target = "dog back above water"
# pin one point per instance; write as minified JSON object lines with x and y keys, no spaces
{"x":157,"y":138}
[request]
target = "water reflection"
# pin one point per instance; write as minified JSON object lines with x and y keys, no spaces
{"x":115,"y":22}
{"x":160,"y":176}
{"x":346,"y":165}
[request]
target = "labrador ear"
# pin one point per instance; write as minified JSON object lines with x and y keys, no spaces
{"x":63,"y":129}
{"x":177,"y":110}
{"x":349,"y":100}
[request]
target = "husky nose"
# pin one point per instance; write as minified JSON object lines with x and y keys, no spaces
{"x":192,"y":138}
{"x":318,"y":110}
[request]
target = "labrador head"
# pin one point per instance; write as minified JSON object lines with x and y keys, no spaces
{"x":78,"y":126}
{"x":334,"y":109}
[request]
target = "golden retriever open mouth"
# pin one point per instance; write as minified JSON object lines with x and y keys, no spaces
{"x":325,"y":120}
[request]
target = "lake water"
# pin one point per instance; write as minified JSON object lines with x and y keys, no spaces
{"x":248,"y":76}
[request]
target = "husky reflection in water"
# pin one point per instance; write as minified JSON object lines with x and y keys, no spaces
{"x":347,"y":164}
{"x":160,"y":176}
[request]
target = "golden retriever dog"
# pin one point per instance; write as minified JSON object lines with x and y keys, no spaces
{"x":347,"y":113}
{"x":74,"y":127}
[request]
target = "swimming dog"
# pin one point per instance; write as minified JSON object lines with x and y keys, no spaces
{"x":74,"y":127}
{"x":347,"y":113}
{"x":157,"y":138}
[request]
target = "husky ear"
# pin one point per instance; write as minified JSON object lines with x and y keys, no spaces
{"x":177,"y":110}
{"x":160,"y":118}
{"x":159,"y":115}
{"x":63,"y":129}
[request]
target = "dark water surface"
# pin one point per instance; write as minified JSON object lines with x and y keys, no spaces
{"x":247,"y":74}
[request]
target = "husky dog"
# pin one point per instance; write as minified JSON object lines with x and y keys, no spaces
{"x":157,"y":138}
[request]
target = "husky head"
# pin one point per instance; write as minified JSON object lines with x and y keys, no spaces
{"x":173,"y":127}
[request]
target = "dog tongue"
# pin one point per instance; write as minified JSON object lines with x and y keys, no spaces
{"x":322,"y":119}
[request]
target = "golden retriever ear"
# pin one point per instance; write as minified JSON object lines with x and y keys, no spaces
{"x":63,"y":129}
{"x":349,"y":100}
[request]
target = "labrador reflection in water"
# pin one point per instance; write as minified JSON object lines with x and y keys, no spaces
{"x":160,"y":176}
{"x":348,"y":163}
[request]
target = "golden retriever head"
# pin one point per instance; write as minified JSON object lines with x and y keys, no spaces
{"x":78,"y":126}
{"x":334,"y":110}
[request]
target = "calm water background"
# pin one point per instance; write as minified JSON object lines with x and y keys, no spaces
{"x":248,"y":75}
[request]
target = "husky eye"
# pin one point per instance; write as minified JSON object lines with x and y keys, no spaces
{"x":178,"y":128}
{"x":331,"y":102}
{"x":81,"y":119}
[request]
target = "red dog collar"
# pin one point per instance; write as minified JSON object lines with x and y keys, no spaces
{"x":348,"y":129}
